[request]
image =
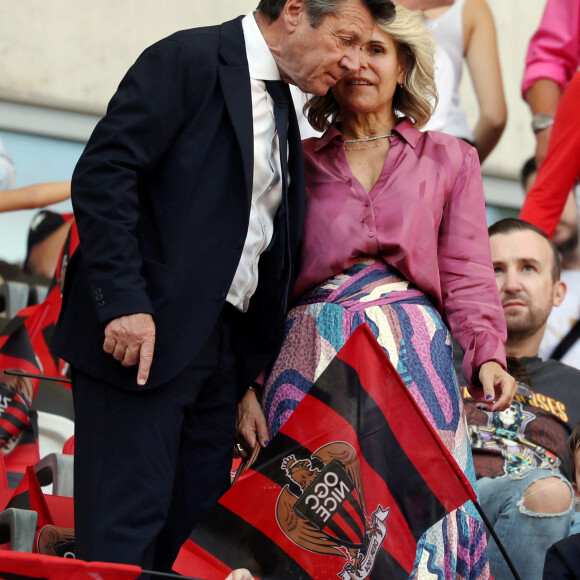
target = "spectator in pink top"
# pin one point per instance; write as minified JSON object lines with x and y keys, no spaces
{"x":552,"y":60}
{"x":395,"y":236}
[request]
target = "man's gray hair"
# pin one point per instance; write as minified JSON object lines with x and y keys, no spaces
{"x":382,"y":11}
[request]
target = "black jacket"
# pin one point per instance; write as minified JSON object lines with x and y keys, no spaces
{"x":162,"y":198}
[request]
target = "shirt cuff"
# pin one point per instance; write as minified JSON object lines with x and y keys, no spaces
{"x":483,"y":348}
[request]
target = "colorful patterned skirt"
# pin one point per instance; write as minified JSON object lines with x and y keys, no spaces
{"x":410,"y":330}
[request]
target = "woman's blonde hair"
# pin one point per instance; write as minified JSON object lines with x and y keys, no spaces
{"x":417,"y":97}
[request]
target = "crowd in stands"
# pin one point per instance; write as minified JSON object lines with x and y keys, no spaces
{"x":526,"y":455}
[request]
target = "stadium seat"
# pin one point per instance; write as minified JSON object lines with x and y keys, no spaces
{"x":56,"y":469}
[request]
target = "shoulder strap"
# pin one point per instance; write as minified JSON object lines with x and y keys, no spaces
{"x":567,"y":342}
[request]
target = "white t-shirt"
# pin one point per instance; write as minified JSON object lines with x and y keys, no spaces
{"x":561,"y":320}
{"x":444,"y":81}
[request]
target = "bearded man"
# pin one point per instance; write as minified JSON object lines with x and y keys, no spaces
{"x":560,"y":340}
{"x":520,"y":455}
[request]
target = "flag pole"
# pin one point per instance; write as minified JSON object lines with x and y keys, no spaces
{"x":32,"y":376}
{"x":166,"y":575}
{"x":497,"y":541}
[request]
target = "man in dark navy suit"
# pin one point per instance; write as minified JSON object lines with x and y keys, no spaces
{"x":189,"y":203}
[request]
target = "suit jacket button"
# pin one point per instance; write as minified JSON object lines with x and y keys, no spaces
{"x":221,"y":295}
{"x":101,"y":303}
{"x":238,"y":243}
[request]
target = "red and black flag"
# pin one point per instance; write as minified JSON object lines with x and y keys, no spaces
{"x":24,"y":342}
{"x":18,"y":422}
{"x":23,"y":566}
{"x":54,"y":534}
{"x":40,"y":319}
{"x":346,"y":488}
{"x":24,"y":347}
{"x":28,"y":496}
{"x":51,"y":509}
{"x":16,"y":349}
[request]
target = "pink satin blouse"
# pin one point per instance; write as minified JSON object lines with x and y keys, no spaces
{"x":425,"y":216}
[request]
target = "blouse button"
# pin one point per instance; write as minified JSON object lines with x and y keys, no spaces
{"x":367,"y":203}
{"x":371,"y":234}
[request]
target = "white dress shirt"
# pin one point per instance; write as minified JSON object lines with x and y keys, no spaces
{"x":267,"y":185}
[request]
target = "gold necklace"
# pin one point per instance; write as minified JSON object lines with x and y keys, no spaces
{"x":368,"y":138}
{"x":379,"y":142}
{"x":361,"y":148}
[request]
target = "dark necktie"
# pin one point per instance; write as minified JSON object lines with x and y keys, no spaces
{"x":280,"y":94}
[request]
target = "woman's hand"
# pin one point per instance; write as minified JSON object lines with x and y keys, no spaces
{"x":499,"y":387}
{"x":251,"y":423}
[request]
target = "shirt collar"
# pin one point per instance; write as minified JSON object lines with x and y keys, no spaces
{"x":407,"y":131}
{"x":261,"y":63}
{"x":404,"y":128}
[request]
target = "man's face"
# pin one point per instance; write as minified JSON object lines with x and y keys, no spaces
{"x":523,"y":262}
{"x":372,"y":88}
{"x":316,"y":58}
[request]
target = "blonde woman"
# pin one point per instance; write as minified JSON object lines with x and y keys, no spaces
{"x":395,"y":237}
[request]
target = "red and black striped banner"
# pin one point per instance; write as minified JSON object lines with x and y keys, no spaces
{"x":346,"y":488}
{"x":25,"y":348}
{"x":29,"y":496}
{"x":24,"y":342}
{"x":23,"y":566}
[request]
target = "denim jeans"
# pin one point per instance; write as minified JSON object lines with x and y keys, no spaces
{"x":525,"y":535}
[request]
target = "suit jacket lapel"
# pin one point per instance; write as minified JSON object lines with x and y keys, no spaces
{"x":235,"y":81}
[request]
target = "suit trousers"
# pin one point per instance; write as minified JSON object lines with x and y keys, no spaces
{"x":149,"y":464}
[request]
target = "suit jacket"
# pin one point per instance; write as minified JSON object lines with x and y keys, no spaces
{"x":563,"y":559}
{"x":162,"y":199}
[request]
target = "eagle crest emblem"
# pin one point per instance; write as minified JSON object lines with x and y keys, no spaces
{"x":322,"y":508}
